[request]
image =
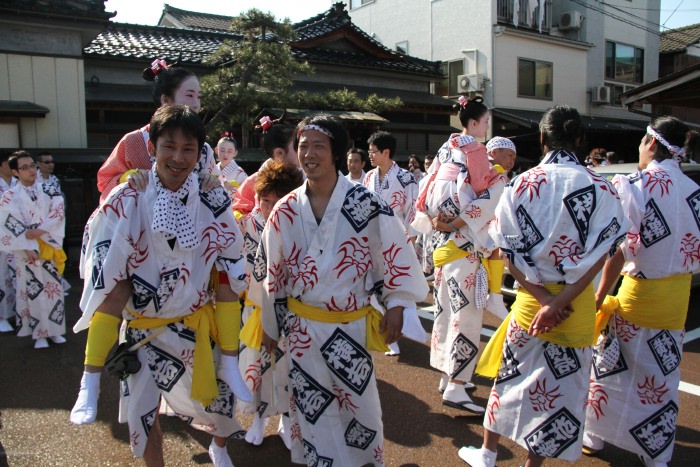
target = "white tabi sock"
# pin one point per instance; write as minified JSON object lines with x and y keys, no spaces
{"x":85,"y":408}
{"x":229,"y":372}
{"x":219,"y":456}
{"x":256,"y":433}
{"x":477,"y":457}
{"x":442,"y":385}
{"x":284,"y":430}
{"x":455,"y":392}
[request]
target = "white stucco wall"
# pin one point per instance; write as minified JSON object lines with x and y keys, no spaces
{"x":54,"y":82}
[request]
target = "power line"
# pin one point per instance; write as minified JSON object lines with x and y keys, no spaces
{"x":674,"y":11}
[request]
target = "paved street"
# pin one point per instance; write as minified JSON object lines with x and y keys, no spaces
{"x":38,"y":388}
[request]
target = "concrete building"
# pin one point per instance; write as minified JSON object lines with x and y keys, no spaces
{"x":524,"y":56}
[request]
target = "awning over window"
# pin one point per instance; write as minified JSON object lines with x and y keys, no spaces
{"x":22,"y":109}
{"x":531,"y":119}
{"x":679,"y":89}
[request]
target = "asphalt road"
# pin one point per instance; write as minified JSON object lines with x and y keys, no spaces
{"x":38,"y":389}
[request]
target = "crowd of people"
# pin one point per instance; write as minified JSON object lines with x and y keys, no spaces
{"x":265,"y":293}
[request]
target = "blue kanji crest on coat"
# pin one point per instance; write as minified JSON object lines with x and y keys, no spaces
{"x":580,"y":204}
{"x":348,"y":360}
{"x":361,"y":206}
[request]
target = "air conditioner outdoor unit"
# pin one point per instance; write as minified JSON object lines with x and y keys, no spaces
{"x":601,"y":95}
{"x":470,"y":83}
{"x":570,"y":20}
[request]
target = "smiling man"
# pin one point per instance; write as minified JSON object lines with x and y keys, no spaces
{"x":32,"y":226}
{"x":148,"y":259}
{"x":329,"y":250}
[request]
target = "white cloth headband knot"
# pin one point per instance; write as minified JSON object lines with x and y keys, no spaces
{"x":675,"y":151}
{"x":317,"y":128}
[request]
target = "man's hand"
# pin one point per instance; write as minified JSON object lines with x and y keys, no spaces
{"x":209,"y":181}
{"x":392,"y":323}
{"x":32,"y":255}
{"x":548,"y":317}
{"x":34,"y":233}
{"x":138,"y":180}
{"x":269,"y":343}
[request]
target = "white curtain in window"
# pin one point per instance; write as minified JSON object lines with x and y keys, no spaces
{"x":516,"y":12}
{"x":531,"y":5}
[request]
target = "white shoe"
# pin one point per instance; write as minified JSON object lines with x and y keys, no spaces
{"x":85,"y":408}
{"x":229,"y":372}
{"x":5,"y":326}
{"x":284,"y":430}
{"x":41,"y":343}
{"x":495,"y":305}
{"x":477,"y":457}
{"x":219,"y":456}
{"x":58,"y":339}
{"x":394,"y":350}
{"x":256,"y":433}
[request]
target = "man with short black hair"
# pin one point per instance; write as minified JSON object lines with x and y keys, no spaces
{"x":46,"y":164}
{"x":32,"y":226}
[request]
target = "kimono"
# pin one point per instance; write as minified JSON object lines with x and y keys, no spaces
{"x":39,"y":299}
{"x":7,"y":270}
{"x":634,"y":404}
{"x":358,"y":181}
{"x":554,"y":222}
{"x":131,"y":152}
{"x":231,"y":178}
{"x":52,"y":179}
{"x":168,"y":281}
{"x":399,"y":189}
{"x":457,"y":327}
{"x":358,"y":249}
{"x":270,"y":392}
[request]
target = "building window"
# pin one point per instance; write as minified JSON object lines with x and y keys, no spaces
{"x":624,"y":63}
{"x":534,"y":79}
{"x":451,"y":70}
{"x":402,"y":47}
{"x":358,"y":3}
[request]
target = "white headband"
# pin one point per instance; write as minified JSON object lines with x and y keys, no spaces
{"x":317,"y":128}
{"x":675,"y":151}
{"x":499,"y":142}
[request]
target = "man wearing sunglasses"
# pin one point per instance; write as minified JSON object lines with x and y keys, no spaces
{"x":45,"y":163}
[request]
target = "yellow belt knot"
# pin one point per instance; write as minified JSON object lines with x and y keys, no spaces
{"x":252,"y":331}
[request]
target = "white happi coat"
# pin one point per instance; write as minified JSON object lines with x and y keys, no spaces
{"x":357,"y":181}
{"x":271,"y":395}
{"x":358,"y":249}
{"x":230,"y":174}
{"x":399,"y":189}
{"x":39,"y":299}
{"x":554,"y":222}
{"x":635,"y":405}
{"x":457,"y":327}
{"x":7,"y":270}
{"x":166,"y":282}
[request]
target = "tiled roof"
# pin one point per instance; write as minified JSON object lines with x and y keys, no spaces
{"x":93,"y":10}
{"x":677,"y":40}
{"x":148,"y":42}
{"x":195,"y":20}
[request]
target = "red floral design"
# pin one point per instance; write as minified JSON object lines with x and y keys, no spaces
{"x":658,"y":177}
{"x":470,"y":281}
{"x":379,"y":455}
{"x":134,"y":439}
{"x":596,"y":398}
{"x":517,"y":335}
{"x":298,"y":339}
{"x":307,"y":275}
{"x":296,"y":430}
{"x":392,"y":271}
{"x":116,"y":204}
{"x":284,"y":208}
{"x":202,"y":298}
{"x":291,"y":262}
{"x":602,"y":182}
{"x":58,"y":212}
{"x":563,"y":248}
{"x":633,"y":242}
{"x":531,"y":182}
{"x":217,"y":238}
{"x":344,"y":399}
{"x":277,"y":279}
{"x":472,"y":211}
{"x":187,"y":357}
{"x":354,"y":254}
{"x":53,"y":290}
{"x":350,"y":304}
{"x":140,"y":254}
{"x":252,"y":374}
{"x":649,"y":393}
{"x":541,"y":399}
{"x":690,"y":247}
{"x":493,"y":405}
{"x":6,"y":240}
{"x":625,"y":330}
{"x":398,"y":199}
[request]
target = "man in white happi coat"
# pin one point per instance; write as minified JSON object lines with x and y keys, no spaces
{"x":356,"y":165}
{"x":46,"y":164}
{"x":148,"y":258}
{"x":32,"y":226}
{"x":7,"y":271}
{"x":393,"y":184}
{"x":328,"y":251}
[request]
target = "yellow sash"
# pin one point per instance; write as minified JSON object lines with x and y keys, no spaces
{"x":234,"y":183}
{"x":49,"y":253}
{"x":251,"y":332}
{"x":126,"y":174}
{"x":204,"y":387}
{"x":238,"y":214}
{"x":447,"y":253}
{"x":375,"y":340}
{"x":576,"y":331}
{"x":650,"y":303}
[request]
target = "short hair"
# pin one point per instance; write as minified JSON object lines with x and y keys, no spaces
{"x":364,"y":157}
{"x":170,"y":117}
{"x":384,"y":140}
{"x":4,"y":155}
{"x":413,"y":156}
{"x":339,"y":137}
{"x":562,"y":128}
{"x":16,"y":156}
{"x":40,"y":156}
{"x":167,"y":80}
{"x":278,"y":177}
{"x":430,"y":157}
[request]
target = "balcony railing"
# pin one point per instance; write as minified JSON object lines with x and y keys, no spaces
{"x":506,"y":9}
